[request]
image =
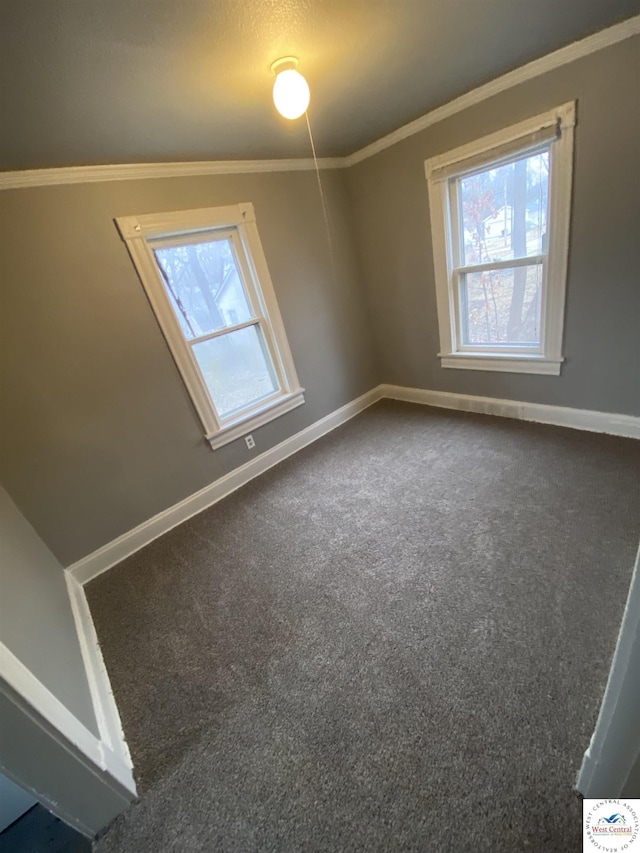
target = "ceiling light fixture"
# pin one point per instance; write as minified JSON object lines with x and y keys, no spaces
{"x":291,"y":90}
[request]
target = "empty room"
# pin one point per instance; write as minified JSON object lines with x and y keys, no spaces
{"x":320,"y":407}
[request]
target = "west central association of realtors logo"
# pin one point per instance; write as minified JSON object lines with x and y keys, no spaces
{"x":611,"y":825}
{"x":615,"y":818}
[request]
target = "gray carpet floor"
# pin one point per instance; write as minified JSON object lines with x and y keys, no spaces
{"x":396,"y":640}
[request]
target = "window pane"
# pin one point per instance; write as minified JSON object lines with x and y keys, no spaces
{"x":204,"y":286}
{"x":504,"y":211}
{"x":236,"y":368}
{"x":502,"y":306}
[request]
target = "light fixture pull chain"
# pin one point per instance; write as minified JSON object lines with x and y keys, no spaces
{"x":325,"y":209}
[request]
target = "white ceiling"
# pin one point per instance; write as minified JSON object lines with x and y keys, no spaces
{"x":130,"y":81}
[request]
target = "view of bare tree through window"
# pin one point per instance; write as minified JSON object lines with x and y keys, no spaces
{"x":202,"y":283}
{"x":503,"y":233}
{"x":205,"y":289}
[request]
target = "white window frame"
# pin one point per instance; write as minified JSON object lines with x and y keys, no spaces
{"x":238,"y":222}
{"x":553,"y":129}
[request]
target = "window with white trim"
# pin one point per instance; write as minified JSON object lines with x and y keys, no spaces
{"x":500,"y":213}
{"x":207,"y":280}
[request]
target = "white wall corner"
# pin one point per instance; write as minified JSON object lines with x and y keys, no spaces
{"x":585,"y":774}
{"x":116,"y":758}
{"x":23,"y":682}
{"x":615,"y":743}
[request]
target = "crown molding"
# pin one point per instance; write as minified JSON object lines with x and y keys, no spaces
{"x":563,"y":56}
{"x":140,"y":171}
{"x":137,"y":171}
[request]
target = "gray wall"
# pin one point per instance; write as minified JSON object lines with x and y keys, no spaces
{"x":632,"y":785}
{"x":602,"y":327}
{"x":35,"y":756}
{"x":36,"y":622}
{"x":100,"y":434}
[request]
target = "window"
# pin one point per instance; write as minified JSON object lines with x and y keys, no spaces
{"x":207,"y":280}
{"x":500,"y":212}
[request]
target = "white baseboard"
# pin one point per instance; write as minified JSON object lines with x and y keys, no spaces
{"x":113,"y":552}
{"x":584,"y":419}
{"x":111,"y":752}
{"x":104,"y":705}
{"x":21,"y":680}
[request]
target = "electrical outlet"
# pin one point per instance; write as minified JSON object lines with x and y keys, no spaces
{"x":250,"y":442}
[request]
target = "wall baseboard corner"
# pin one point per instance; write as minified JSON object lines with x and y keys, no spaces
{"x":108,"y":555}
{"x":112,"y":748}
{"x":113,"y":745}
{"x":50,"y":711}
{"x":89,"y":567}
{"x":626,"y":426}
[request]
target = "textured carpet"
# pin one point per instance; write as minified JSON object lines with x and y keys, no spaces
{"x":396,"y":640}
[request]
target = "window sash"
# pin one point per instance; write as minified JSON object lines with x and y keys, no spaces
{"x":263,"y":338}
{"x":522,"y":261}
{"x":506,"y":143}
{"x":192,"y":238}
{"x":236,"y":222}
{"x":257,"y":319}
{"x":455,"y":220}
{"x":225,"y":330}
{"x":483,"y":163}
{"x":467,"y":161}
{"x":459,"y":296}
{"x":175,"y":241}
{"x":454,"y":230}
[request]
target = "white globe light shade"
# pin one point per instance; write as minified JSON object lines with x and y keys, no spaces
{"x":291,"y":93}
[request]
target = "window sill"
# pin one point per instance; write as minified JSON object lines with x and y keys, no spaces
{"x":244,"y":425}
{"x":503,"y":363}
